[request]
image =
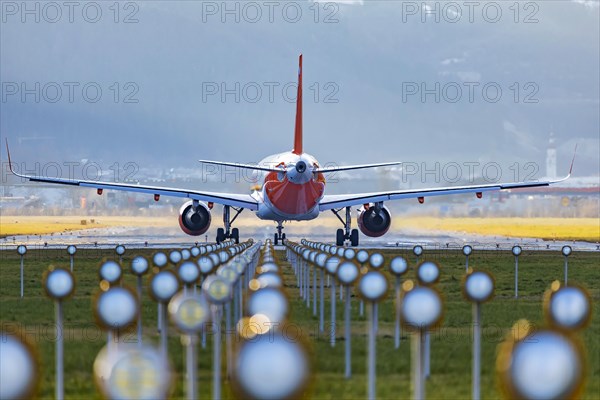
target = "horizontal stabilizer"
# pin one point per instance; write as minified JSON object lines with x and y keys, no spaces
{"x":243,"y":166}
{"x":352,"y":167}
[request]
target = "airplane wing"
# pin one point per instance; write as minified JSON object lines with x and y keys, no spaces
{"x":329,"y":202}
{"x":235,"y":200}
{"x":344,"y":200}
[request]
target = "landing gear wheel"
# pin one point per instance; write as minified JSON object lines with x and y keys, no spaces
{"x":339,"y":237}
{"x":227,"y":232}
{"x":275,"y":239}
{"x":279,"y":236}
{"x":354,"y":237}
{"x":220,"y":235}
{"x":235,"y":235}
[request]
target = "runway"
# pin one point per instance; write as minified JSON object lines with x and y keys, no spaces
{"x":172,"y":237}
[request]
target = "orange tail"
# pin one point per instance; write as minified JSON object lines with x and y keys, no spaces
{"x":298,"y":131}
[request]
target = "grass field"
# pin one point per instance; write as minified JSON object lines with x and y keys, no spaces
{"x":587,"y":229}
{"x":451,"y":346}
{"x":43,"y":225}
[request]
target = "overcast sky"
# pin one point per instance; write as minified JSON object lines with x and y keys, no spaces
{"x":162,"y":66}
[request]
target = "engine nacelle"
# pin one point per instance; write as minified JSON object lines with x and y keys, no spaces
{"x":192,"y":222}
{"x":374,"y":221}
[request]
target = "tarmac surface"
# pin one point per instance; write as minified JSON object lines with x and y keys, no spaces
{"x":172,"y":237}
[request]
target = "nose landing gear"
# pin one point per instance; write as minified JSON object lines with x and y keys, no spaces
{"x":279,"y":236}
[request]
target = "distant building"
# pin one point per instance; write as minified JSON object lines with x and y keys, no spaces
{"x":551,"y":158}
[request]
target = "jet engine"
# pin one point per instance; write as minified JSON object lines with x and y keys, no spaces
{"x":374,"y":220}
{"x":194,"y":222}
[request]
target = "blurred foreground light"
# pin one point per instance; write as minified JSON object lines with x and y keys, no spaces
{"x":271,"y":367}
{"x":215,"y":259}
{"x":271,"y":303}
{"x":110,"y":272}
{"x":132,"y":372}
{"x":417,"y":250}
{"x":188,"y":272}
{"x":376,"y":260}
{"x":268,"y":267}
{"x":422,"y":307}
{"x":568,"y":307}
{"x":428,"y":273}
{"x":347,"y":273}
{"x":270,"y":279}
{"x":331,"y":265}
{"x":206,"y":265}
{"x":163,"y":286}
{"x":257,"y":324}
{"x":217,"y":289}
{"x":362,"y":256}
{"x":189,"y":312}
{"x":398,"y":266}
{"x":321,"y":259}
{"x":120,"y":250}
{"x":229,"y":273}
{"x":349,"y":254}
{"x":478,"y":287}
{"x":373,"y":286}
{"x":59,"y":283}
{"x":223,"y":257}
{"x":175,"y":257}
{"x":467,"y":250}
{"x":139,"y":265}
{"x":18,"y":368}
{"x":254,"y":284}
{"x":516,"y":250}
{"x":159,"y":259}
{"x":542,"y":365}
{"x":116,"y":308}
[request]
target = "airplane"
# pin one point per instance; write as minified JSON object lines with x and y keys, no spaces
{"x":293,"y":189}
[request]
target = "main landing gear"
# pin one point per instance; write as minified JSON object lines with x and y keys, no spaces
{"x":345,"y":234}
{"x":227,"y":232}
{"x":279,"y":236}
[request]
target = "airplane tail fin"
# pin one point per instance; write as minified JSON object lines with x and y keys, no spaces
{"x":298,"y":129}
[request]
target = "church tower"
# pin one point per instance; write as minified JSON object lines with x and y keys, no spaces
{"x":551,"y":158}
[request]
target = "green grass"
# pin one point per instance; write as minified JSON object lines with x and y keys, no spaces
{"x":451,"y":345}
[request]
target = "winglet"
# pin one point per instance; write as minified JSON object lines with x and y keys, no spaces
{"x":570,"y":168}
{"x":573,"y":160}
{"x":298,"y":130}
{"x":10,"y":165}
{"x":8,"y":153}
